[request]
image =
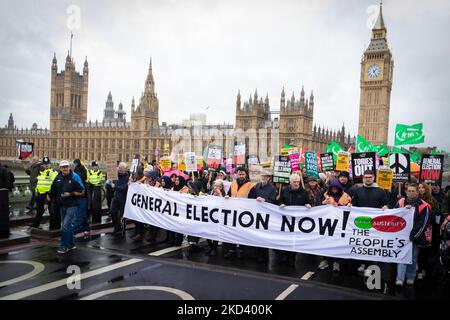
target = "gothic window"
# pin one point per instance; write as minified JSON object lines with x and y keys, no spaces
{"x":291,"y":126}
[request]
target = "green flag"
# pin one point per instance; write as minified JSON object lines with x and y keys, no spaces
{"x":405,"y":134}
{"x":362,"y":145}
{"x":415,"y":157}
{"x":399,"y":150}
{"x":334,"y":148}
{"x":382,"y":150}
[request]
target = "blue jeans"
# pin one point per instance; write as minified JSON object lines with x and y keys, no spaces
{"x":408,"y":270}
{"x":68,"y":215}
{"x":81,"y":221}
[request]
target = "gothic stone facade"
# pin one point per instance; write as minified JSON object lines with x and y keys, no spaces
{"x":70,"y":135}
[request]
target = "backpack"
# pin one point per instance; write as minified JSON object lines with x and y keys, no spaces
{"x":429,"y":229}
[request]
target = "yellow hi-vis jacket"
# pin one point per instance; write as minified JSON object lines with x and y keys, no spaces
{"x":45,"y":180}
{"x":95,"y":177}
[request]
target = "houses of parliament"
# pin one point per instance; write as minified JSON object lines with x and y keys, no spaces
{"x":71,"y":136}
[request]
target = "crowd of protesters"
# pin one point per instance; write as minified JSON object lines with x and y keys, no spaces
{"x":74,"y":197}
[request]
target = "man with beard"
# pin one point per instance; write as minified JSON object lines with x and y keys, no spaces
{"x":240,"y":188}
{"x":264,"y":191}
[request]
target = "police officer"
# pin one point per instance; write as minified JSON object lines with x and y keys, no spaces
{"x":44,"y":182}
{"x":95,"y":181}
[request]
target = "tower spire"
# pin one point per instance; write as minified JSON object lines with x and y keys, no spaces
{"x":379,"y":25}
{"x":150,"y":82}
{"x":71,"y":39}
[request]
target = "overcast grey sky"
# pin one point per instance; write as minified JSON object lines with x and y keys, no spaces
{"x":204,"y":51}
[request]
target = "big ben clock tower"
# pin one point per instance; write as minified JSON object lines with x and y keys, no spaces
{"x":377,"y":68}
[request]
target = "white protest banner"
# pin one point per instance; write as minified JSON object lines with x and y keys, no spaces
{"x":190,"y":161}
{"x":135,"y":165}
{"x":239,"y":153}
{"x":341,"y":232}
{"x":214,"y":157}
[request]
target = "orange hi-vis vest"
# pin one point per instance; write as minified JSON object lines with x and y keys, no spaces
{"x":343,"y":200}
{"x":243,"y":191}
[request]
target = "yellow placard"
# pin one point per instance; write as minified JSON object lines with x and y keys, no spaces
{"x":285,"y":151}
{"x":200,"y":163}
{"x":342,"y":163}
{"x":166,"y":150}
{"x":166,"y":163}
{"x":181,"y":163}
{"x":384,"y":179}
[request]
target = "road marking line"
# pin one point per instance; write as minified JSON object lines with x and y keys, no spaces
{"x":37,"y":268}
{"x":287,"y":292}
{"x":166,"y":250}
{"x":182,"y":294}
{"x":307,"y":275}
{"x":63,"y":282}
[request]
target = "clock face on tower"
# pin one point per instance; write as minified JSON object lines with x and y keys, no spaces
{"x":374,"y":71}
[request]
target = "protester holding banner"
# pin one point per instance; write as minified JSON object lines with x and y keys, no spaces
{"x":264,"y":191}
{"x":418,"y":232}
{"x":179,"y":185}
{"x":195,"y":189}
{"x":314,"y":190}
{"x":370,"y":196}
{"x":149,"y":179}
{"x":166,"y":183}
{"x":428,"y":256}
{"x":218,"y":191}
{"x":240,"y":188}
{"x":335,"y":196}
{"x":120,"y":197}
{"x":347,"y":185}
{"x":139,"y":176}
{"x":294,"y":195}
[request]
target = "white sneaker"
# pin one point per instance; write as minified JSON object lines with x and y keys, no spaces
{"x":410,"y":282}
{"x":420,"y":276}
{"x":336,"y":267}
{"x":323,"y":264}
{"x":399,"y":283}
{"x":367,"y":273}
{"x":362,"y":268}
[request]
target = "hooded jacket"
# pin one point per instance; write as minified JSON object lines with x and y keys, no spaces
{"x":421,"y":219}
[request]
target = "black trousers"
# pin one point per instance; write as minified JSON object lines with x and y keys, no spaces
{"x":55,"y":216}
{"x":4,"y":213}
{"x":139,"y":228}
{"x":95,"y":203}
{"x":212,"y":244}
{"x":40,"y":202}
{"x":174,"y":238}
{"x":153,"y":230}
{"x":117,"y":209}
{"x":33,"y":198}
